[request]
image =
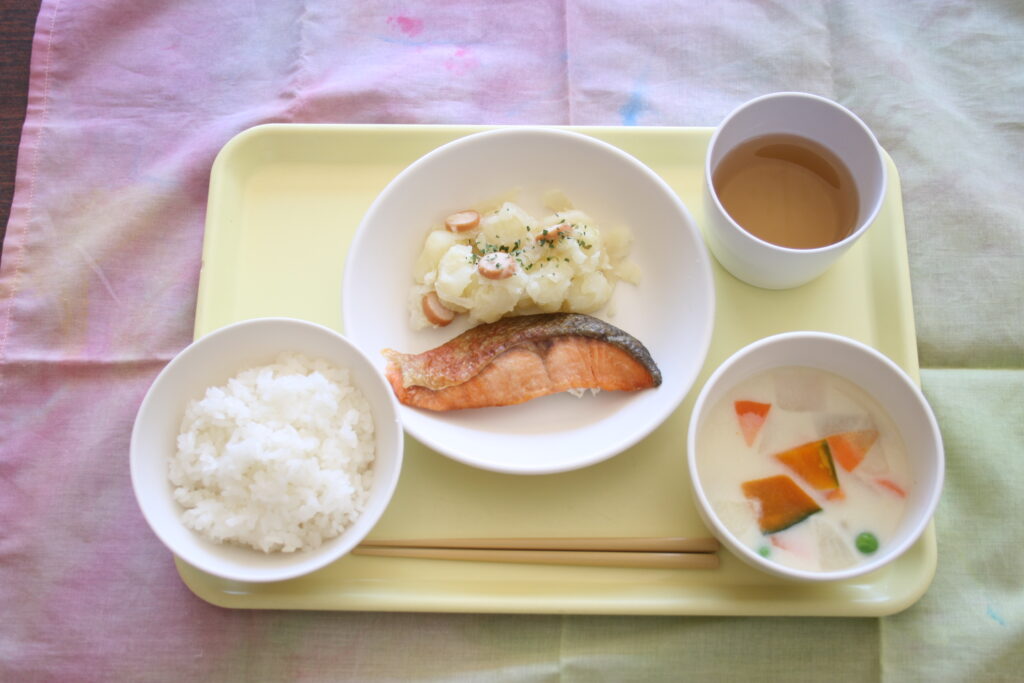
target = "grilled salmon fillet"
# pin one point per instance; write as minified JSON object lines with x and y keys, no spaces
{"x":520,"y":358}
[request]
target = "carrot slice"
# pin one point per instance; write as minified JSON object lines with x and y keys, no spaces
{"x":892,"y":486}
{"x":751,"y":416}
{"x":789,"y":545}
{"x":813,"y":462}
{"x":783,"y":502}
{"x":849,"y":448}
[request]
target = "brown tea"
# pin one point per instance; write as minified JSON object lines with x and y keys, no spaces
{"x":788,"y":190}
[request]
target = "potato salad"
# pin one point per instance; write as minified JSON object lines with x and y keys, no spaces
{"x":491,"y":263}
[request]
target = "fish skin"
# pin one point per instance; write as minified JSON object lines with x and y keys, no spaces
{"x":520,"y":358}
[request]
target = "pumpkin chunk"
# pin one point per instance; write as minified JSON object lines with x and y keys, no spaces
{"x":751,"y":416}
{"x":813,"y":462}
{"x":849,"y":448}
{"x":783,"y":502}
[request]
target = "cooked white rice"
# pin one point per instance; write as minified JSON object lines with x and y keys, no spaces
{"x":279,"y":459}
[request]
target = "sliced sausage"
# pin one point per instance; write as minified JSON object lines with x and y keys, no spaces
{"x":462,"y":221}
{"x":553,"y":233}
{"x":497,"y":265}
{"x":437,"y":313}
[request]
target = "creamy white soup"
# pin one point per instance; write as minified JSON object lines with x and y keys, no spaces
{"x":805,"y":468}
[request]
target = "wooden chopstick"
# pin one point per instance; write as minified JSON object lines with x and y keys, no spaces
{"x":659,"y":544}
{"x":651,"y":553}
{"x":563,"y":557}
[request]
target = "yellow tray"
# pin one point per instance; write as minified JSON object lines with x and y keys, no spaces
{"x":284,"y":203}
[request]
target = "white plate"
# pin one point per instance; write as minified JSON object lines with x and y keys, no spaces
{"x":671,"y":311}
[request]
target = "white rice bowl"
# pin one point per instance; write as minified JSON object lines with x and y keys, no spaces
{"x":356,"y":495}
{"x":278,"y":459}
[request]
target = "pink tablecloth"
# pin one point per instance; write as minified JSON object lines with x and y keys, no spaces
{"x":129,"y":103}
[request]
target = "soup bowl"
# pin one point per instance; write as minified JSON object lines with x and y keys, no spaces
{"x":903,"y":408}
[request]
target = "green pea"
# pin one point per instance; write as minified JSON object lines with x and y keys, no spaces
{"x":764,"y":551}
{"x":867,"y":542}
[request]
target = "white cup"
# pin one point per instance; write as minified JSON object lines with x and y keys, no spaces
{"x":762,"y":263}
